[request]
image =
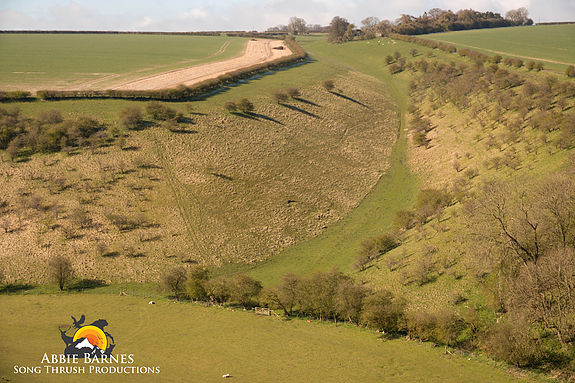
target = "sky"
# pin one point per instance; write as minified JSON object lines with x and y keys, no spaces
{"x":196,"y":15}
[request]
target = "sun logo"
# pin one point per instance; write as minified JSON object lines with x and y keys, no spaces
{"x":89,"y":341}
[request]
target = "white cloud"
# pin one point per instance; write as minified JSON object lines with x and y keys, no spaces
{"x":249,"y":15}
{"x":193,"y":14}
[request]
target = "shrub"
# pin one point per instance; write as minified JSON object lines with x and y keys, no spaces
{"x":230,"y":106}
{"x":373,"y":248}
{"x":196,"y":283}
{"x":61,"y":271}
{"x":293,"y":92}
{"x":389,"y":59}
{"x":381,"y":310}
{"x":405,"y":219}
{"x":432,"y":201}
{"x":50,"y":117}
{"x":538,"y":66}
{"x":131,"y":117}
{"x":529,"y":65}
{"x":245,"y":106}
{"x":280,"y":96}
{"x":244,"y":290}
{"x":328,"y":85}
{"x":158,"y":111}
{"x":515,"y":343}
{"x":570,"y":71}
{"x":174,"y":282}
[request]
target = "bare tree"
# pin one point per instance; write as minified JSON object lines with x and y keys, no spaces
{"x":518,"y":16}
{"x":175,"y":281}
{"x":369,"y":26}
{"x":297,"y":26}
{"x":61,"y":271}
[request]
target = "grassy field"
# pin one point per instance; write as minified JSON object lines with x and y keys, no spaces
{"x":47,"y":61}
{"x":554,"y":45}
{"x":243,"y":179}
{"x":202,"y":344}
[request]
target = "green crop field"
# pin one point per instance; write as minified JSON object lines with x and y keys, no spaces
{"x":196,"y":344}
{"x":554,"y":45}
{"x":40,"y":61}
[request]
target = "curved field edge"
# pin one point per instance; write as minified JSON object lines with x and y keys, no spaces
{"x":396,"y":190}
{"x":187,"y":341}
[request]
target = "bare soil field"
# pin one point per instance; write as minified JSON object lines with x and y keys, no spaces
{"x":256,"y":52}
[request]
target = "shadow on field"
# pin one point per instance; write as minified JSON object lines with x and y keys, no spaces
{"x":256,"y":117}
{"x":305,"y":101}
{"x":184,"y":131}
{"x":15,"y":288}
{"x":86,"y":284}
{"x":296,"y":109}
{"x":222,"y":176}
{"x":349,"y":99}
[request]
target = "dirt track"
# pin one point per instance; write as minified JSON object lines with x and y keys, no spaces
{"x":256,"y":51}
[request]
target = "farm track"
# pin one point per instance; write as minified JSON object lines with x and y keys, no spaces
{"x":184,"y":208}
{"x":256,"y":52}
{"x":95,"y":84}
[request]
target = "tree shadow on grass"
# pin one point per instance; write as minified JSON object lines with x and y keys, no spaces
{"x":256,"y":117}
{"x":349,"y":99}
{"x":296,"y":109}
{"x":222,"y":176}
{"x":184,"y":131}
{"x":86,"y":284}
{"x":305,"y":101}
{"x":264,"y":117}
{"x":15,"y":288}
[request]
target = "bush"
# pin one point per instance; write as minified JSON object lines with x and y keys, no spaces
{"x":328,"y":85}
{"x":160,"y":112}
{"x":432,"y":202}
{"x":373,"y":248}
{"x":175,"y":282}
{"x":196,"y":283}
{"x":131,"y":117}
{"x":570,"y":71}
{"x":280,"y":96}
{"x":405,"y":219}
{"x":61,"y":271}
{"x":230,"y":106}
{"x":244,"y":290}
{"x":245,"y":106}
{"x":293,"y":92}
{"x":515,"y":343}
{"x":381,"y":310}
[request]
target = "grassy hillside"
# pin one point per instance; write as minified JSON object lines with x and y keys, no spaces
{"x":229,"y":188}
{"x":554,"y":45}
{"x":47,"y":61}
{"x":201,"y":344}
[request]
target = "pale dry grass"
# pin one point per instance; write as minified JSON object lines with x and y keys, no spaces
{"x":232,"y":189}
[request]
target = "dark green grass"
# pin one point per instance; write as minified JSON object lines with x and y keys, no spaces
{"x":554,"y":45}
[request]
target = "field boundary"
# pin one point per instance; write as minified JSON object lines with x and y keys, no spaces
{"x":180,"y":93}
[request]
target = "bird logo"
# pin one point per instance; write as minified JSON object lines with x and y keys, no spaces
{"x":90,"y":341}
